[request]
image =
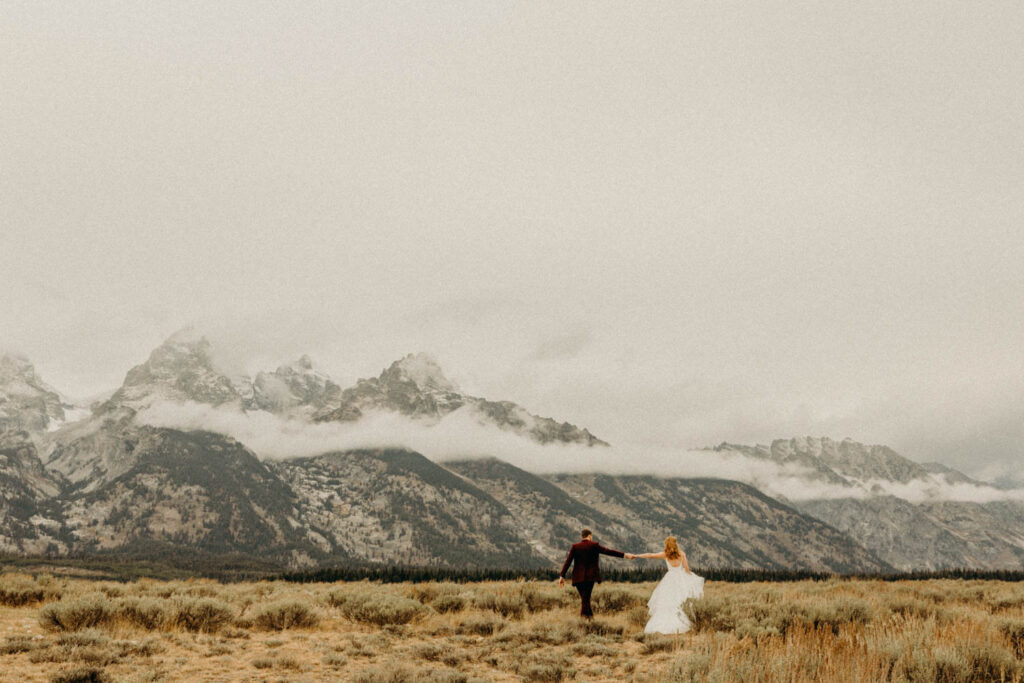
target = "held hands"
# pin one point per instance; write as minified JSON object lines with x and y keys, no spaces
{"x":630,"y":556}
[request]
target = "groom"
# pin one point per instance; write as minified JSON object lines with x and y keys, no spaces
{"x":586,"y":570}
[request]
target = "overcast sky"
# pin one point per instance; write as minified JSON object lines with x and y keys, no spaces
{"x":675,"y":224}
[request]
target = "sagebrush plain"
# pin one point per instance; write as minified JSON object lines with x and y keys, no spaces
{"x":56,"y":628}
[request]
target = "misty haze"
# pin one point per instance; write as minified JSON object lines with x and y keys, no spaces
{"x":367,"y":288}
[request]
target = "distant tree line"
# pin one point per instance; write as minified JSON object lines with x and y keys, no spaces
{"x":402,"y":573}
{"x":239,"y":567}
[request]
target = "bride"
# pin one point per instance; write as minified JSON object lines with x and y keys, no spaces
{"x":677,"y":586}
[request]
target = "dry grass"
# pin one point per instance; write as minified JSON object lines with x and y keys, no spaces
{"x":77,"y":630}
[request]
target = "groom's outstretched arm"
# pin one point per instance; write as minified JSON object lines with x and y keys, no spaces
{"x":608,"y":551}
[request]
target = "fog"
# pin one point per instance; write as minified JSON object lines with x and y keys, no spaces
{"x":675,"y":224}
{"x":461,"y":435}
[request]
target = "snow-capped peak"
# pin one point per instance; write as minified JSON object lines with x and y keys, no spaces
{"x":422,"y":370}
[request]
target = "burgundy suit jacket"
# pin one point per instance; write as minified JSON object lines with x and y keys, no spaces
{"x":584,"y":557}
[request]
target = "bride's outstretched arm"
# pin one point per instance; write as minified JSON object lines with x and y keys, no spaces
{"x":653,"y":556}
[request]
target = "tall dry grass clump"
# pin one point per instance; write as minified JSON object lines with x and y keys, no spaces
{"x":88,"y":611}
{"x":285,"y":614}
{"x":202,"y":615}
{"x":375,"y":605}
{"x":18,"y":590}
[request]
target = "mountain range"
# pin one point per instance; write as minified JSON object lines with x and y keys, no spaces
{"x":100,"y":480}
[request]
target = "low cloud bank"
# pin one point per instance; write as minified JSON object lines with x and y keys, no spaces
{"x":460,"y":435}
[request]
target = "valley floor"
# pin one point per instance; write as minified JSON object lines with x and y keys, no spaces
{"x":68,"y":629}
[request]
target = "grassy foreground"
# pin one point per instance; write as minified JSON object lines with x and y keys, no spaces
{"x":65,"y":629}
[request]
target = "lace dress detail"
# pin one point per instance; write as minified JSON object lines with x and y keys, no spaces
{"x":666,"y":603}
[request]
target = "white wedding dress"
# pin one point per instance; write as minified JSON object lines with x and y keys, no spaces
{"x":666,"y":603}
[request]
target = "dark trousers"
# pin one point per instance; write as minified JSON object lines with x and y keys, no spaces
{"x":585,"y":588}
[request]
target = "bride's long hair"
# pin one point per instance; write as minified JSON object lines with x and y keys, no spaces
{"x":672,"y":550}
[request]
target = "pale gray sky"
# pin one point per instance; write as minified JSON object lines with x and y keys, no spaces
{"x":678,"y":223}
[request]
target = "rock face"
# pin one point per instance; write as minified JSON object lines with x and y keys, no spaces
{"x":29,"y":514}
{"x":180,"y":369}
{"x":416,"y":387}
{"x":721,"y":523}
{"x":398,"y":506}
{"x":296,"y":389}
{"x":926,"y":532}
{"x":845,"y":463}
{"x":547,"y":516}
{"x":26,"y":402}
{"x":190,"y":490}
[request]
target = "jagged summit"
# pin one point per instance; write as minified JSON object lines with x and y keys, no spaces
{"x":185,"y":368}
{"x":26,"y":401}
{"x":182,"y":369}
{"x":845,"y":462}
{"x":422,"y":370}
{"x":416,"y":386}
{"x":297,"y":385}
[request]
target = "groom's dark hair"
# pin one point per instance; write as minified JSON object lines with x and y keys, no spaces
{"x":586,"y":532}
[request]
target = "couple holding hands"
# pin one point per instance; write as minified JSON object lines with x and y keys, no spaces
{"x":666,"y":603}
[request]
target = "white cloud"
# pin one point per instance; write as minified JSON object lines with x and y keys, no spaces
{"x":460,"y":435}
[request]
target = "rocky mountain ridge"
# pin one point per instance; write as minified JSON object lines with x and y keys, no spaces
{"x":927,"y":531}
{"x":108,"y":483}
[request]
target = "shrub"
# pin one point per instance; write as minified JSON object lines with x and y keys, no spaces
{"x":951,"y":666}
{"x":481,"y":626}
{"x":18,"y":644}
{"x":429,"y":652}
{"x":85,"y":646}
{"x":286,"y":614}
{"x":427,"y":592}
{"x":617,"y":599}
{"x":601,"y":627}
{"x":87,"y":674}
{"x":547,"y":669}
{"x":987,"y":662}
{"x":1013,"y":629}
{"x":446,"y":604}
{"x":593,"y":650}
{"x":392,"y":674}
{"x":205,"y":615}
{"x":710,"y":614}
{"x":86,"y":612}
{"x":752,"y":628}
{"x":691,"y":669}
{"x":638,"y":616}
{"x":507,"y":604}
{"x":17,"y":590}
{"x":656,"y":642}
{"x":912,"y":607}
{"x":539,"y":599}
{"x":146,"y":613}
{"x":377,"y":607}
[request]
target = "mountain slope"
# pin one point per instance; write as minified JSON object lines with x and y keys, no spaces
{"x":870,"y":504}
{"x":545,"y":515}
{"x":30,"y":518}
{"x":190,"y":490}
{"x":397,"y":506}
{"x":721,"y":523}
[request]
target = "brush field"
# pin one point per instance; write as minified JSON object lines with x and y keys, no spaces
{"x":72,"y":629}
